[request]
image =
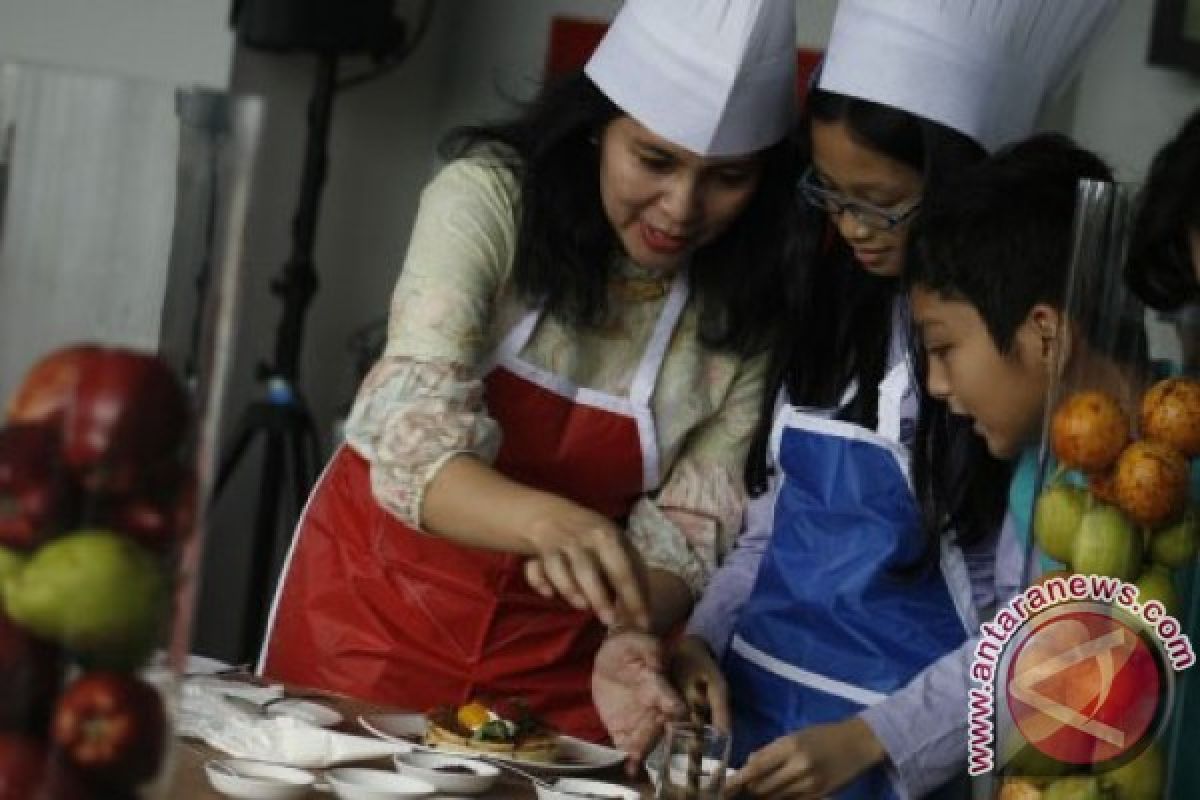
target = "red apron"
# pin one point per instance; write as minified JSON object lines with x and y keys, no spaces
{"x":369,"y":607}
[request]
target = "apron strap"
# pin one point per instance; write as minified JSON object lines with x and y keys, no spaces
{"x":646,"y":376}
{"x":514,"y":341}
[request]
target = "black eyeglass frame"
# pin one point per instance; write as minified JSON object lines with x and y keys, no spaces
{"x":835,"y":203}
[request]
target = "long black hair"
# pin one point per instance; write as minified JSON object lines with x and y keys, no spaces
{"x":1159,"y":267}
{"x":839,"y":315}
{"x":565,"y":244}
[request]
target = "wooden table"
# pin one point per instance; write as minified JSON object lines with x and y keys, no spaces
{"x":190,"y":783}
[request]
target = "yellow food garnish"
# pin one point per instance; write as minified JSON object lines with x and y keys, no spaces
{"x":473,"y":715}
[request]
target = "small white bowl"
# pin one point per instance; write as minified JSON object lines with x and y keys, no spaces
{"x":256,"y":780}
{"x":313,"y":713}
{"x":359,"y":783}
{"x":424,"y":766}
{"x":571,"y":788}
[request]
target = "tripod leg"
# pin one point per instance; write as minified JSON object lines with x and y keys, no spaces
{"x":242,"y":434}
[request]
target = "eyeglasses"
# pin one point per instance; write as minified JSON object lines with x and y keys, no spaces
{"x":834,"y":203}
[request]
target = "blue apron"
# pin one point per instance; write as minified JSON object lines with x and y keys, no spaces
{"x":829,"y":629}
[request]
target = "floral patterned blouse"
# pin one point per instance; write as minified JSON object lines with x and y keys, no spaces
{"x":421,"y":404}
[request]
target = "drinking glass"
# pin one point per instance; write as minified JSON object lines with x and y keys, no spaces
{"x":694,"y":761}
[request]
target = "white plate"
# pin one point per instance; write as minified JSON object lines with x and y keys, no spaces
{"x":424,"y":765}
{"x":306,"y":710}
{"x":574,"y":755}
{"x":568,"y":788}
{"x":256,"y":780}
{"x":359,"y":783}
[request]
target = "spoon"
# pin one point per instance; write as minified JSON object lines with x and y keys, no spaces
{"x":542,"y":782}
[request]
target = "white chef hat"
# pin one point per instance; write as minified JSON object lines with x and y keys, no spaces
{"x":981,"y":67}
{"x":717,"y":77}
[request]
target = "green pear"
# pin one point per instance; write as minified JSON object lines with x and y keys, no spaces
{"x":1056,"y":517}
{"x":94,"y":592}
{"x":1076,"y":787}
{"x":1139,"y":779}
{"x":1156,"y":584}
{"x":1107,"y":544}
{"x":1175,"y":545}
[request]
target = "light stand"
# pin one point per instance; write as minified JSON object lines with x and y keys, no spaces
{"x":281,"y":417}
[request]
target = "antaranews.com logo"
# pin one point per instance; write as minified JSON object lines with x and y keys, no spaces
{"x":1076,"y":668}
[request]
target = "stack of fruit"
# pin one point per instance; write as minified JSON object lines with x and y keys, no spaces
{"x":1134,"y":519}
{"x":94,"y":502}
{"x":1118,"y":504}
{"x":1141,"y":778}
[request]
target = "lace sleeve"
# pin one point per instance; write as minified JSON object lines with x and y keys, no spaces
{"x":422,"y":403}
{"x":694,"y":520}
{"x":409,"y":418}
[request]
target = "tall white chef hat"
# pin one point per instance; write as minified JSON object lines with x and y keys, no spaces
{"x":717,"y":77}
{"x":981,"y":67}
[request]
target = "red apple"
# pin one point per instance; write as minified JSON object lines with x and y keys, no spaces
{"x":153,"y":513}
{"x":128,"y":420}
{"x":30,"y":674}
{"x":112,"y":727}
{"x":37,"y":495}
{"x":122,"y":412}
{"x":28,"y":772}
{"x":49,"y":386}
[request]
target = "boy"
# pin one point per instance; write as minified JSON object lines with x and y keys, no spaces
{"x":987,"y":285}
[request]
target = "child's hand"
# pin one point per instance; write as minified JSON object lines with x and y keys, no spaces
{"x":698,"y":677}
{"x":811,"y":763}
{"x":631,"y":693}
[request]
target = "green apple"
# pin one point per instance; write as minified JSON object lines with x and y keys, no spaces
{"x":1140,"y":779}
{"x":1056,"y":517}
{"x":95,"y":593}
{"x":1175,"y":545}
{"x":1076,"y":787}
{"x":1107,"y":544}
{"x":1156,"y":584}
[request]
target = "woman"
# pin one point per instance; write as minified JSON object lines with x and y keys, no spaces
{"x":573,"y":276}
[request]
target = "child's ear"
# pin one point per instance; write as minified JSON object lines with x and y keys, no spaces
{"x":1050,"y":326}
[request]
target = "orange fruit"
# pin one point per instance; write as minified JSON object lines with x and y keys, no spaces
{"x":1171,"y":412}
{"x":1152,"y":482}
{"x":473,"y":715}
{"x":1088,"y":431}
{"x":1103,"y":486}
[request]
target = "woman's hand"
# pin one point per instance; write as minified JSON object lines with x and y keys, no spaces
{"x":632,"y":694}
{"x":584,"y":557}
{"x":696,"y":674}
{"x":811,"y":763}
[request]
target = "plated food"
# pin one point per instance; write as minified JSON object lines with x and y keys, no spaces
{"x":495,"y":729}
{"x":572,"y":755}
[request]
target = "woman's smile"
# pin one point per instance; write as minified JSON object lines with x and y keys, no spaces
{"x":662,"y":242}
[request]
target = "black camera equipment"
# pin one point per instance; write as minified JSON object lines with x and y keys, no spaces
{"x":331,"y":30}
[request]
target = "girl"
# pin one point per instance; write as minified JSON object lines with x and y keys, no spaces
{"x":571,"y":276}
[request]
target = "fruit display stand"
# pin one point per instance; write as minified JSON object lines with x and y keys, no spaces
{"x":1098,"y":700}
{"x":121,"y":215}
